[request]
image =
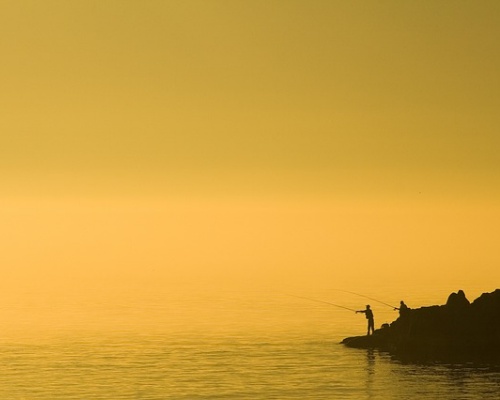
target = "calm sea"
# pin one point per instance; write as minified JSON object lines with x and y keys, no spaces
{"x":213,"y":345}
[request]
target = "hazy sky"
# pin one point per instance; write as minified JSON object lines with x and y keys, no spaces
{"x":198,"y":138}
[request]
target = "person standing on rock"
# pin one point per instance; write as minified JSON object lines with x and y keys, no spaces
{"x":369,"y":316}
{"x":403,"y":309}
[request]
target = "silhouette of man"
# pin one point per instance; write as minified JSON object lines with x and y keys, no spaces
{"x":369,"y":316}
{"x":403,"y":309}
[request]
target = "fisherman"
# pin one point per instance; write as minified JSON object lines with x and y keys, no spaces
{"x":403,"y":309}
{"x":369,"y":316}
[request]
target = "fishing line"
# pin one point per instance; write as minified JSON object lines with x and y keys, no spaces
{"x":321,"y":301}
{"x":366,"y":297}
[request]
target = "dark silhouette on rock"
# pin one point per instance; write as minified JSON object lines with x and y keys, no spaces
{"x":458,"y":331}
{"x":403,"y":309}
{"x":369,"y":316}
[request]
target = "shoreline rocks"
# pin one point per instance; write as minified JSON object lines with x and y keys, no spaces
{"x":458,"y":331}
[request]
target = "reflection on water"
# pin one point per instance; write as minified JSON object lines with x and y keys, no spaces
{"x":370,"y":372}
{"x":453,"y":381}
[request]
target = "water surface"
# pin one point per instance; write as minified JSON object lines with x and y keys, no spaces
{"x":212,"y":345}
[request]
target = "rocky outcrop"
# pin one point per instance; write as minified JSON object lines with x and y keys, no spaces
{"x":458,"y":331}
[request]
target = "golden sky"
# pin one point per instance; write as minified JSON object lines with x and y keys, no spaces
{"x":236,"y":136}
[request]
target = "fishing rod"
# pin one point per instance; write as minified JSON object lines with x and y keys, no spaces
{"x":366,"y":297}
{"x":321,"y":301}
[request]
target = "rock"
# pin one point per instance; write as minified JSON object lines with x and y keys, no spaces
{"x":456,"y":332}
{"x":457,"y":300}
